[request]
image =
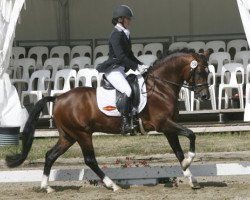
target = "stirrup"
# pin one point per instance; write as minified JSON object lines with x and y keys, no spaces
{"x":135,"y":122}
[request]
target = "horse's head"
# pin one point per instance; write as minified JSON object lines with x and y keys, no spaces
{"x":197,"y":77}
{"x":183,"y":68}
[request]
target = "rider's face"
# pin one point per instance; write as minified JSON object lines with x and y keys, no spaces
{"x":126,"y":22}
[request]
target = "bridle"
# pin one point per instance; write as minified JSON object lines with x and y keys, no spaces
{"x":189,"y":84}
{"x":191,"y":80}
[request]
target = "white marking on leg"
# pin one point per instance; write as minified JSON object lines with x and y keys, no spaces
{"x":44,"y":184}
{"x":192,"y":180}
{"x":110,"y":184}
{"x":187,"y":161}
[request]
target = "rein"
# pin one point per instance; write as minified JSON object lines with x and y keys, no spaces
{"x":192,"y":87}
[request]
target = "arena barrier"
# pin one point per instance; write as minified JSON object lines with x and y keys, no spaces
{"x":128,"y":176}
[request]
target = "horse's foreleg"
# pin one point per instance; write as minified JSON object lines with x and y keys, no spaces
{"x":90,"y":160}
{"x":192,"y":180}
{"x":175,"y":145}
{"x":174,"y":142}
{"x":172,"y":136}
{"x":51,"y":156}
{"x":180,"y":130}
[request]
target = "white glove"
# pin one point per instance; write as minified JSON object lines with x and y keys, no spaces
{"x":142,"y":68}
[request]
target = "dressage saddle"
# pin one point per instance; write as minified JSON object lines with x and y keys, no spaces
{"x":135,"y":96}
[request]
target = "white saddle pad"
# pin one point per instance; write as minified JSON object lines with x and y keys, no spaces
{"x":106,"y":99}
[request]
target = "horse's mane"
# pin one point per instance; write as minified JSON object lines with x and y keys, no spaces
{"x":170,"y":54}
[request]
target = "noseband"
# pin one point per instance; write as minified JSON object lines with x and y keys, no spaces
{"x":193,"y":86}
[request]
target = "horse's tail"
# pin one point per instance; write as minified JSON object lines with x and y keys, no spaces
{"x":28,"y":133}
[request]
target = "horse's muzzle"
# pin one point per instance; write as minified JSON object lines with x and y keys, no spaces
{"x":202,"y":95}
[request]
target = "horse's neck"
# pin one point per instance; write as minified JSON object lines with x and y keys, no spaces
{"x":169,"y":84}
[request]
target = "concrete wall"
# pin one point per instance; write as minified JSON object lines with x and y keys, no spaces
{"x":90,"y":19}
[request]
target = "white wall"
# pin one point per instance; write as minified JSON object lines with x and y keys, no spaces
{"x":91,"y":19}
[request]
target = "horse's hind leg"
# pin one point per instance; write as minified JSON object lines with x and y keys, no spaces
{"x":63,"y":144}
{"x":89,"y":157}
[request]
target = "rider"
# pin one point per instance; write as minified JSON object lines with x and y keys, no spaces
{"x":121,"y":59}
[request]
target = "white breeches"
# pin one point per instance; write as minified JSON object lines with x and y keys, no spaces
{"x":117,"y":78}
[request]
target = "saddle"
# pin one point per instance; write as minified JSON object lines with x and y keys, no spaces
{"x":133,"y":82}
{"x":107,"y":97}
{"x":135,"y":96}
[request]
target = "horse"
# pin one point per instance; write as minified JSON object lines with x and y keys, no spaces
{"x":77,"y":116}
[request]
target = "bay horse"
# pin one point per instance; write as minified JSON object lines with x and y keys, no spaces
{"x":77,"y":116}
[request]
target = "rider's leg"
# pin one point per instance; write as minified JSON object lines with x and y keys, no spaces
{"x":117,"y":78}
{"x":125,"y":109}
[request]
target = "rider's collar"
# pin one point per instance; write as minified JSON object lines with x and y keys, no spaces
{"x":119,"y":27}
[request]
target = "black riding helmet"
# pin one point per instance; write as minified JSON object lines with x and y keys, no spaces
{"x":122,"y":11}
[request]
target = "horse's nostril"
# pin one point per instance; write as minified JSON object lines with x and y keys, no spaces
{"x":205,"y":97}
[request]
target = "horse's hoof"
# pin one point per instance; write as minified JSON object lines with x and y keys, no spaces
{"x":195,"y":186}
{"x":116,"y":188}
{"x":50,"y":190}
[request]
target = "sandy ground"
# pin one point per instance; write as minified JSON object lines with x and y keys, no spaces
{"x":220,"y":187}
{"x":237,"y":188}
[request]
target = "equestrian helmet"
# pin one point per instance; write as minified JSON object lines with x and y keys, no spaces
{"x":122,"y":11}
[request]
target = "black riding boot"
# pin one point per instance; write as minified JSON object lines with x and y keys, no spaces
{"x":125,"y":127}
{"x":125,"y":109}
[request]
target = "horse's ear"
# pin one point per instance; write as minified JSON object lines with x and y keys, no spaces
{"x":206,"y":53}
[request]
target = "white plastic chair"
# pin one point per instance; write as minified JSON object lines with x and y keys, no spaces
{"x":101,"y":50}
{"x":81,"y":51}
{"x":137,"y":49}
{"x":86,"y":77}
{"x":40,"y":53}
{"x":68,"y":78}
{"x":185,"y":96}
{"x":154,"y":49}
{"x":41,"y":76}
{"x":212,"y":86}
{"x":17,"y":53}
{"x":53,"y":64}
{"x":177,"y":45}
{"x":80,"y":63}
{"x":236,"y":46}
{"x":218,"y":59}
{"x":147,"y":59}
{"x":215,"y":46}
{"x":61,"y":52}
{"x":23,"y":68}
{"x":242,"y":57}
{"x":247,"y":104}
{"x":198,"y":46}
{"x":100,"y":60}
{"x":230,"y":81}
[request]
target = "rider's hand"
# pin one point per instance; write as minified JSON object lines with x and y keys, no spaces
{"x":142,"y":68}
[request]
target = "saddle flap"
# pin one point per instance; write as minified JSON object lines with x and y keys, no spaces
{"x":106,"y":98}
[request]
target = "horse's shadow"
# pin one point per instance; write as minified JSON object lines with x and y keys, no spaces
{"x":212,"y":184}
{"x":58,"y":188}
